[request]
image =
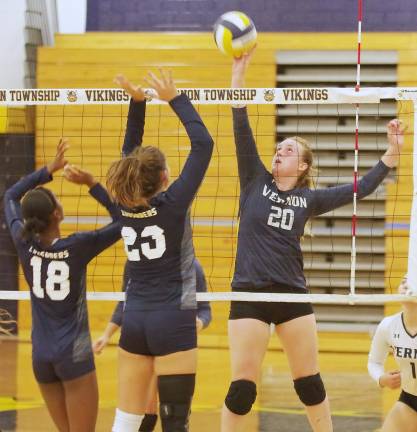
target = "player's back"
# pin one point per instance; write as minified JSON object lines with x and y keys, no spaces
{"x":57,"y":279}
{"x":158,"y":243}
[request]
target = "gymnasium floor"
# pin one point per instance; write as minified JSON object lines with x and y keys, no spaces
{"x":356,"y":401}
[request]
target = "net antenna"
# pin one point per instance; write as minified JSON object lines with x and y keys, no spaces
{"x":356,"y":158}
{"x":412,"y":245}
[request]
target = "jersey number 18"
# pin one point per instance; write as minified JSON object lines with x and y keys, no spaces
{"x":57,"y":284}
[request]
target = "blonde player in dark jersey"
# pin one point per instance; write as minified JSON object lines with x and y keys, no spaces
{"x":159,"y":318}
{"x":398,"y":334}
{"x":274,"y":209}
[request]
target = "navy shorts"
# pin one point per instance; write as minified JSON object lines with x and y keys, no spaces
{"x":47,"y":372}
{"x":270,"y":312}
{"x":408,"y":399}
{"x":158,"y":333}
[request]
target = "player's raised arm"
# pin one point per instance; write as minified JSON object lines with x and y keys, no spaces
{"x":136,"y":116}
{"x":13,"y":195}
{"x":96,"y":190}
{"x":183,"y":190}
{"x":97,"y":240}
{"x":249,"y":162}
{"x":331,"y":198}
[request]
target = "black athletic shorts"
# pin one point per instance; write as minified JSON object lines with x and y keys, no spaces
{"x":158,"y":333}
{"x":408,"y":399}
{"x":66,"y":369}
{"x":270,"y":312}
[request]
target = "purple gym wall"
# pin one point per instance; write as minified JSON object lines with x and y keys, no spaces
{"x":268,"y":15}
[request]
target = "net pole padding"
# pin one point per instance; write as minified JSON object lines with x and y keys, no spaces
{"x":412,"y":244}
{"x":368,"y":299}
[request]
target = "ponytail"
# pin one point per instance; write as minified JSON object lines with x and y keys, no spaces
{"x":133,"y":180}
{"x":306,"y":177}
{"x":32,"y":227}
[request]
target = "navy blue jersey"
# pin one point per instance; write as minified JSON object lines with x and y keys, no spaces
{"x":203,"y":307}
{"x":158,"y":240}
{"x":135,"y":126}
{"x":272,"y":221}
{"x":56,"y":275}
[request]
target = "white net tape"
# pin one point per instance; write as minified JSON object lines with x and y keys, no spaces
{"x":368,"y":299}
{"x":272,"y":96}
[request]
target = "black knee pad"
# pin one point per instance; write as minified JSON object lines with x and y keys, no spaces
{"x":148,"y":423}
{"x":241,"y":396}
{"x":310,"y":389}
{"x":175,"y":396}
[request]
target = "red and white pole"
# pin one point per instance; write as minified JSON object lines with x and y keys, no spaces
{"x":355,"y":169}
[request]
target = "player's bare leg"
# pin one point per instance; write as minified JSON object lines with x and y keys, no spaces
{"x":135,"y":372}
{"x":248,"y":341}
{"x":54,"y":396}
{"x":400,"y":418}
{"x":81,"y":398}
{"x":299,"y":341}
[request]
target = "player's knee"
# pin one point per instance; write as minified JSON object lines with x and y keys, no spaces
{"x":241,"y":396}
{"x":310,"y":389}
{"x":175,"y":395}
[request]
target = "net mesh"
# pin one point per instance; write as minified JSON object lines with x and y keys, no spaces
{"x":325,"y":117}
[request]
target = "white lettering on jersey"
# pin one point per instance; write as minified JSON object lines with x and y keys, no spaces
{"x":49,"y":255}
{"x":57,"y":284}
{"x":151,"y":251}
{"x":291,"y":200}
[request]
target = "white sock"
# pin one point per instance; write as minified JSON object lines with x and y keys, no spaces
{"x":125,"y":422}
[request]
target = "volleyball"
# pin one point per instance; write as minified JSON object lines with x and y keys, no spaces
{"x":234,"y":33}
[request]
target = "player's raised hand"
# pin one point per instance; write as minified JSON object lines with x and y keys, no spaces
{"x":395,"y":133}
{"x":136,"y":92}
{"x":239,"y":68}
{"x":164,"y":85}
{"x":79,"y":176}
{"x":59,"y":161}
{"x":390,"y":379}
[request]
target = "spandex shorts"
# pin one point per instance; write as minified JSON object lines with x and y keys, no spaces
{"x":158,"y":333}
{"x":47,"y":372}
{"x":409,"y":399}
{"x":270,"y":312}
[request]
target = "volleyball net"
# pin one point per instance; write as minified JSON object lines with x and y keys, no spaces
{"x":338,"y":270}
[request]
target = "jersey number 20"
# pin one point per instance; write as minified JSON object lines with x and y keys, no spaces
{"x":281,"y":218}
{"x":57,"y":276}
{"x":157,"y":235}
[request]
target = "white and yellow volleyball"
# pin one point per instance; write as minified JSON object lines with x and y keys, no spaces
{"x":234,"y":33}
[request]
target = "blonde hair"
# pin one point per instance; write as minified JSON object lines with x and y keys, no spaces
{"x":306,"y":178}
{"x":133,"y":180}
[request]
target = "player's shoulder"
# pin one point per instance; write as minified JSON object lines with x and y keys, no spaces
{"x":74,"y":239}
{"x":390,"y":321}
